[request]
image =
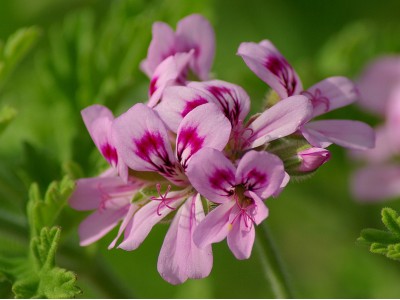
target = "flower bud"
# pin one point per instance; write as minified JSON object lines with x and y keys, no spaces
{"x":312,"y":158}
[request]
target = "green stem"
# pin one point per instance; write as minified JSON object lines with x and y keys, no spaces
{"x":272,"y":263}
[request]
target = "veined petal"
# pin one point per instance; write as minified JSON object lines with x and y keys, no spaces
{"x":98,"y":120}
{"x":144,"y":220}
{"x":128,"y":217}
{"x":345,"y":133}
{"x":261,"y":173}
{"x":212,"y":175}
{"x":331,"y":93}
{"x":230,"y":98}
{"x":142,"y":140}
{"x":284,"y":183}
{"x":99,"y":224}
{"x":162,"y":45}
{"x":90,"y":193}
{"x":195,"y":32}
{"x":198,"y":130}
{"x":280,"y":120}
{"x":215,"y":227}
{"x":241,"y":238}
{"x":179,"y":257}
{"x":270,"y":65}
{"x":260,"y":211}
{"x":172,"y":71}
{"x":177,"y":102}
{"x":376,"y":183}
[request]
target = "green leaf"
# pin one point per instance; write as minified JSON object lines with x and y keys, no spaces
{"x":384,"y":242}
{"x":7,"y":114}
{"x":16,"y":47}
{"x":46,"y":280}
{"x":391,"y":220}
{"x":44,"y":212}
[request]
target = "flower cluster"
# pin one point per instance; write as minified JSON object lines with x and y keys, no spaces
{"x":379,"y":87}
{"x":192,"y":157}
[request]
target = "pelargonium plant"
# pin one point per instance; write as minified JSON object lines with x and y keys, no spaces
{"x":192,"y":157}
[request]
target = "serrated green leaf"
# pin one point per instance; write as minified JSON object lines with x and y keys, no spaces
{"x":391,"y":220}
{"x":44,"y":212}
{"x":45,"y":280}
{"x":7,"y":114}
{"x":379,"y":236}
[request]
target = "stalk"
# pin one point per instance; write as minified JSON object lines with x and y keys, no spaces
{"x":272,"y":263}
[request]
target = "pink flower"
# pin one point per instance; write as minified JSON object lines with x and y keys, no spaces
{"x":144,"y":143}
{"x":329,"y":94}
{"x":278,"y":121}
{"x":110,"y":197}
{"x":193,"y":32}
{"x":239,"y":191}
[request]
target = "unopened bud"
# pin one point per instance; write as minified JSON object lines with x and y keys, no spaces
{"x":312,"y":158}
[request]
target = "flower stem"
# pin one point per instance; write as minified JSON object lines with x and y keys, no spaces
{"x":272,"y":263}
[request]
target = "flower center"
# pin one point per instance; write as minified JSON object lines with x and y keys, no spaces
{"x":164,"y":200}
{"x":244,"y":204}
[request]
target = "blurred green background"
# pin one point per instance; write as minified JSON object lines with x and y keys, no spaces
{"x":88,"y":51}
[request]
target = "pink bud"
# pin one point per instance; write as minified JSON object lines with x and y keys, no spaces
{"x":313,"y":158}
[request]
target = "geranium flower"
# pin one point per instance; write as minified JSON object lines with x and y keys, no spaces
{"x":329,"y":94}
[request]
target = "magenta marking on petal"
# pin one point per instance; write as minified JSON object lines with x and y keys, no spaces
{"x":152,"y":144}
{"x":110,"y":153}
{"x":320,"y":103}
{"x":283,"y":70}
{"x":153,"y":84}
{"x":255,"y":177}
{"x":221,"y":93}
{"x":219,"y":177}
{"x":188,"y":138}
{"x":192,"y":105}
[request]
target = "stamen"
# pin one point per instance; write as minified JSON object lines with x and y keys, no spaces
{"x":243,"y":212}
{"x":162,"y":198}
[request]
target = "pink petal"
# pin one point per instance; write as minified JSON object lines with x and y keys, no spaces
{"x":393,"y":117}
{"x":212,"y":175}
{"x":241,"y":238}
{"x":230,"y":98}
{"x":270,"y":65}
{"x":376,"y":183}
{"x":215,"y":227}
{"x":345,"y":133}
{"x":144,"y":220}
{"x":142,"y":140}
{"x":377,"y":82}
{"x":162,"y":45}
{"x":98,"y":120}
{"x":260,"y":172}
{"x":384,"y":147}
{"x":331,"y":93}
{"x":99,"y":224}
{"x":172,"y":71}
{"x":260,"y":212}
{"x":198,"y":130}
{"x":180,"y":258}
{"x":177,"y":102}
{"x":280,"y":120}
{"x":195,"y":32}
{"x":128,"y":217}
{"x":91,"y":192}
{"x":284,"y":183}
